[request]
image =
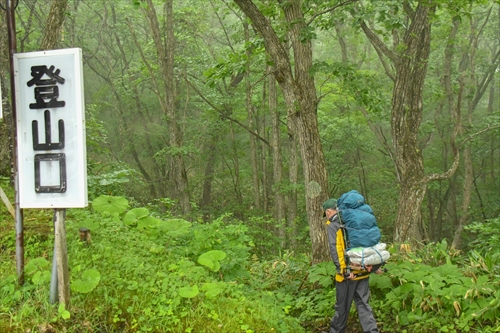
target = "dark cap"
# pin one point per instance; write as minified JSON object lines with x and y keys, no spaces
{"x":329,"y":204}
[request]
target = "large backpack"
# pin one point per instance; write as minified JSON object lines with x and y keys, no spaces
{"x":359,"y":220}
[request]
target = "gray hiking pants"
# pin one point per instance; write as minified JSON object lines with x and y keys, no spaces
{"x":347,"y":291}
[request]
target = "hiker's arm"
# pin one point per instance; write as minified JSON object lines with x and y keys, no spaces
{"x":332,"y":229}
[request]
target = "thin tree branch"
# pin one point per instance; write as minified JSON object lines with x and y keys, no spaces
{"x":222,"y":26}
{"x":145,"y":60}
{"x":329,"y":10}
{"x":377,"y":43}
{"x":221,"y":111}
{"x":388,"y":70}
{"x":488,"y":77}
{"x":408,"y":9}
{"x":456,"y":161}
{"x":381,"y":138}
{"x":473,"y":135}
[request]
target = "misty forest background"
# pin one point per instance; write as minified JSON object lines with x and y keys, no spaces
{"x":241,"y":117}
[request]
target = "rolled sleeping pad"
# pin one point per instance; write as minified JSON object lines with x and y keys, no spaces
{"x":369,"y":255}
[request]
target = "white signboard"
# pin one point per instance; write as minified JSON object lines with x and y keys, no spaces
{"x":51,"y":129}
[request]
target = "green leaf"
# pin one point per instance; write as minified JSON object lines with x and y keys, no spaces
{"x":41,"y":277}
{"x":133,"y":216}
{"x":36,"y":265}
{"x":156,"y":249}
{"x":213,"y":289}
{"x":90,"y":279}
{"x":63,"y":312}
{"x":189,"y":292}
{"x":403,"y":318}
{"x":211,"y":259}
{"x":381,"y":282}
{"x":323,"y":273}
{"x":110,"y":204}
{"x":174,"y":227}
{"x":147,"y":222}
{"x":91,"y":224}
{"x":444,"y":245}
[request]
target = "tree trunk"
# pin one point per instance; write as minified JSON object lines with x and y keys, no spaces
{"x":251,"y":125}
{"x":236,"y":177}
{"x":266,"y":180}
{"x":208,"y":178}
{"x":5,"y":124}
{"x":53,"y":25}
{"x":165,"y":53}
{"x":473,"y":92}
{"x":279,"y":199}
{"x":293,"y":173}
{"x":431,"y":207}
{"x":339,"y":30}
{"x":299,"y":92}
{"x":265,"y":153}
{"x":467,"y":192}
{"x":406,"y":117}
{"x":404,"y":230}
{"x":178,"y":168}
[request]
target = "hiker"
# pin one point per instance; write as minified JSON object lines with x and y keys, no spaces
{"x":350,"y":284}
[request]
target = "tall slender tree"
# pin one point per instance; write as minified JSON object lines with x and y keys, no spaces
{"x":251,"y":123}
{"x":5,"y":129}
{"x":299,"y":91}
{"x":165,"y":50}
{"x":471,"y":90}
{"x":279,"y":198}
{"x":410,"y":62}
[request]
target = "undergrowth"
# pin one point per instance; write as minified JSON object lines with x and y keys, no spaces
{"x":143,"y":273}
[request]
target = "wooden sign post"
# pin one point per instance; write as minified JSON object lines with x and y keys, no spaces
{"x":61,"y":257}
